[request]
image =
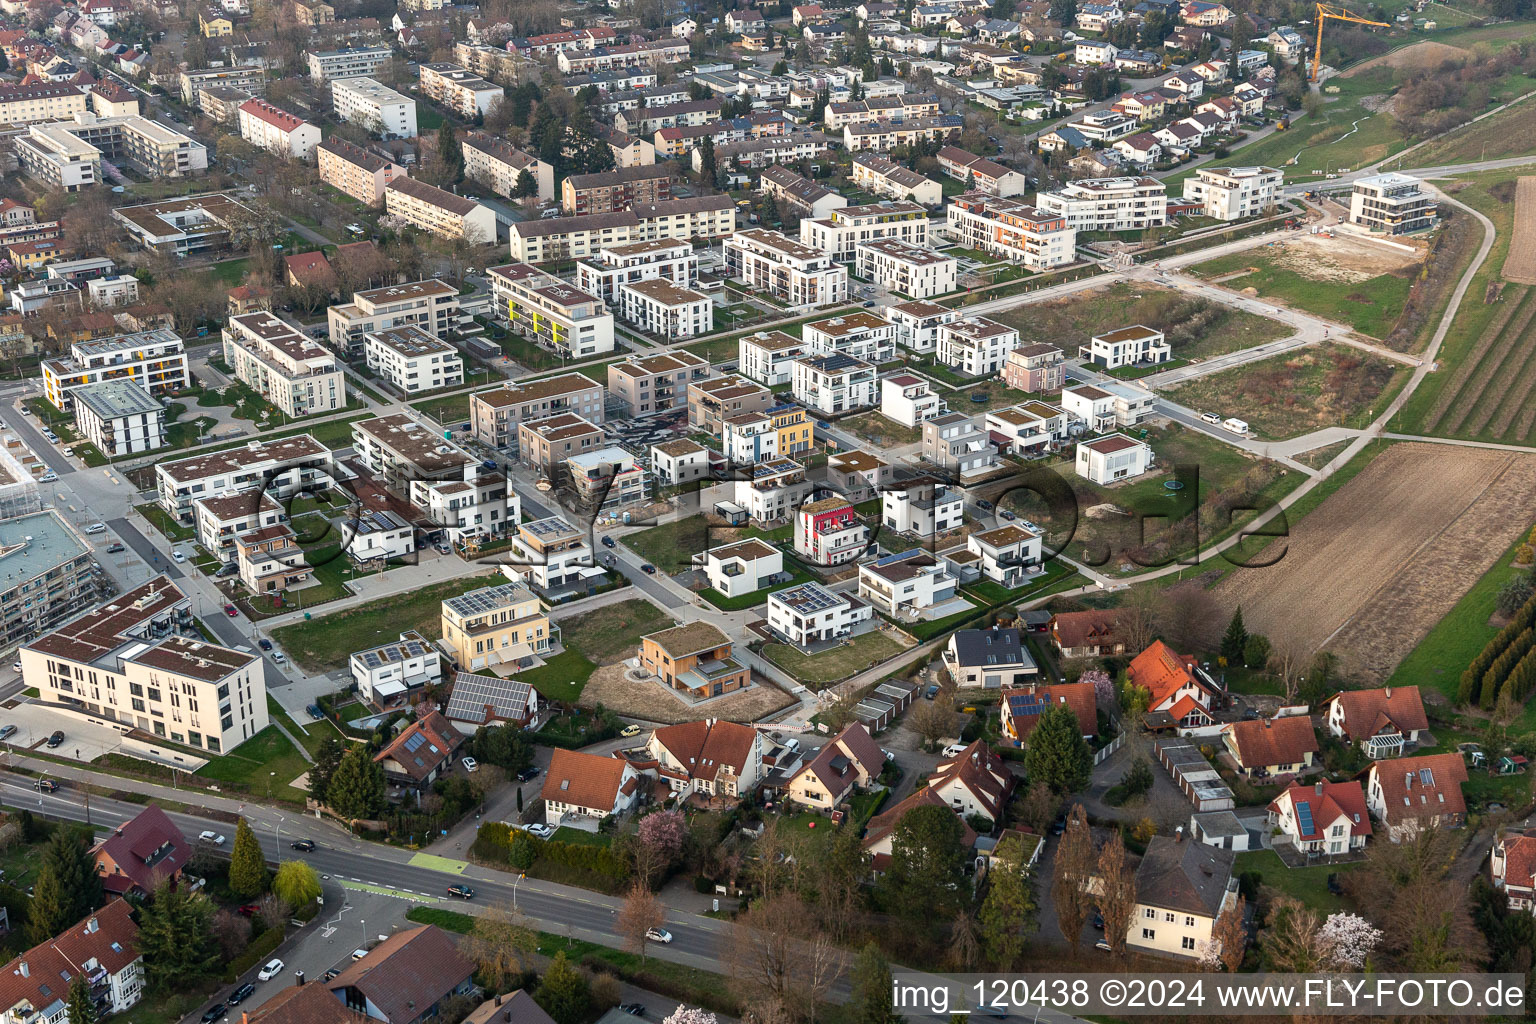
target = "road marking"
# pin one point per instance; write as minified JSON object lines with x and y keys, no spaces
{"x":435,"y":863}
{"x":380,"y":890}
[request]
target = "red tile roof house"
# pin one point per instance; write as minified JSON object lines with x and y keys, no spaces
{"x":1409,"y":793}
{"x":1326,"y":819}
{"x":405,"y":978}
{"x":852,"y":760}
{"x":975,"y":781}
{"x":423,"y":751}
{"x":141,"y":853}
{"x":1089,"y":634}
{"x":882,"y":827}
{"x":1023,"y":706}
{"x":1268,"y":747}
{"x":310,"y":270}
{"x":588,"y":787}
{"x":1512,"y":866}
{"x":1179,"y":689}
{"x":102,"y":947}
{"x":1383,"y":721}
{"x":711,"y":758}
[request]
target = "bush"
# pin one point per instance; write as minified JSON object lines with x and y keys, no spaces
{"x":703,"y":884}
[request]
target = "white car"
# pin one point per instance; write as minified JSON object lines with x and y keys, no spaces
{"x":358,"y":954}
{"x":470,"y":764}
{"x":96,"y":528}
{"x":177,"y":556}
{"x":49,"y":477}
{"x":273,"y":969}
{"x":954,"y":750}
{"x":660,"y":935}
{"x":212,"y":838}
{"x":542,"y":830}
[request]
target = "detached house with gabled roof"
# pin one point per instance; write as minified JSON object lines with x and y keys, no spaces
{"x":588,"y":786}
{"x":1088,"y":634}
{"x":1267,"y":747}
{"x":141,"y":854}
{"x":101,"y":949}
{"x":852,"y":760}
{"x":1325,"y":819}
{"x":1410,"y":793}
{"x":1383,"y":721}
{"x":882,"y":828}
{"x":712,"y":757}
{"x":1022,"y":707}
{"x":424,"y":750}
{"x":1512,"y":866}
{"x":1179,"y":687}
{"x":974,"y":782}
{"x":1182,"y":887}
{"x":405,"y":978}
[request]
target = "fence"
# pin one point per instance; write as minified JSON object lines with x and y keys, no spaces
{"x":1115,"y":744}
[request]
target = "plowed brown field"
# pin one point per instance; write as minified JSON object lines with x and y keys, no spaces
{"x":1370,"y":570}
{"x":1520,"y":264}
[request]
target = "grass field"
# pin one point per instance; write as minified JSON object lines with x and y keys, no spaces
{"x":561,"y":677}
{"x":1326,"y":385}
{"x":1370,"y":307}
{"x":837,"y":664}
{"x":1345,"y":135}
{"x":1309,"y":885}
{"x":1507,"y":133}
{"x":871,"y":426}
{"x":605,"y":634}
{"x":1196,"y":328}
{"x":265,"y":764}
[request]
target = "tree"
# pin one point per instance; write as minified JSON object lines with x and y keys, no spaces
{"x":176,"y":939}
{"x":526,"y":185}
{"x":67,"y":887}
{"x":689,"y":1015}
{"x":1008,"y":909}
{"x":780,"y":962}
{"x":502,"y":944}
{"x":935,"y":719}
{"x":1136,"y":620}
{"x":1235,"y":639}
{"x":327,"y":756}
{"x":247,"y":866}
{"x":356,"y":790}
{"x":1256,"y":650}
{"x":927,"y":871}
{"x":1063,"y":12}
{"x":296,"y":883}
{"x":658,"y":843}
{"x":1058,"y":755}
{"x":1350,"y":940}
{"x":1069,"y":880}
{"x":641,"y":914}
{"x":449,"y":151}
{"x":80,"y":1007}
{"x":523,"y":852}
{"x":1230,"y":935}
{"x":272,"y":911}
{"x":564,"y":993}
{"x":231,"y":932}
{"x":707,"y":167}
{"x":869,"y":1002}
{"x":1515,"y":593}
{"x":1117,"y":893}
{"x":1292,"y":940}
{"x":1038,"y":806}
{"x":1103,"y":687}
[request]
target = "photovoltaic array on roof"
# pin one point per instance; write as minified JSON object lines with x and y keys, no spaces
{"x":1027,"y":704}
{"x":393,"y":652}
{"x":1304,"y":817}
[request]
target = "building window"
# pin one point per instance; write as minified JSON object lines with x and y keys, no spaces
{"x":1187,"y":942}
{"x":1148,"y":934}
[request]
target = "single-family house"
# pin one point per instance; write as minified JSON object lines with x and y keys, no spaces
{"x":1410,"y":793}
{"x":1266,"y":747}
{"x":585,"y":788}
{"x":1326,"y":819}
{"x":1088,"y":634}
{"x":422,"y":751}
{"x":1383,"y":721}
{"x":989,"y":658}
{"x":141,"y":853}
{"x":851,"y":760}
{"x":1179,"y":687}
{"x":1022,"y":707}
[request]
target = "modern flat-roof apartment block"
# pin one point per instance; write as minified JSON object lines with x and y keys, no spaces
{"x":275,"y":130}
{"x":286,"y":367}
{"x":1232,"y":193}
{"x":57,"y":153}
{"x":1393,"y":204}
{"x":546,"y":443}
{"x":503,"y":624}
{"x":480,"y":504}
{"x":711,"y":402}
{"x":810,"y":613}
{"x":155,"y":360}
{"x":1007,"y":555}
{"x":910,"y":400}
{"x":358,"y":172}
{"x":678,"y":462}
{"x":766,"y":356}
{"x":664,"y":259}
{"x":219,"y":518}
{"x":540,"y":306}
{"x":960,"y":443}
{"x":119,"y":417}
{"x":924,"y":506}
{"x":695,"y":657}
{"x":1129,"y":346}
{"x":282,"y":468}
{"x":564,"y":238}
{"x":140,"y":660}
{"x":1108,"y":406}
{"x":830,"y":532}
{"x":795,"y":274}
{"x":1037,"y":238}
{"x":355,"y":62}
{"x":744,"y":567}
{"x":397,"y":450}
{"x":47,"y":575}
{"x":1108,"y":204}
{"x":608,"y":479}
{"x":553,"y":553}
{"x":1112,"y":458}
{"x":500,"y":166}
{"x":494,"y":415}
{"x":917,"y":323}
{"x":840,"y":233}
{"x":463,"y":92}
{"x":833,"y":385}
{"x":976,"y":345}
{"x":617,"y":190}
{"x":375,"y":107}
{"x":656,"y":383}
{"x":906,"y":269}
{"x":187,"y":226}
{"x":861,"y":335}
{"x":431,"y":305}
{"x":662,"y":309}
{"x":439,"y":212}
{"x":245,"y":77}
{"x":885,"y":178}
{"x":1029,"y":428}
{"x":1036,"y":369}
{"x":901,"y":585}
{"x":751,"y":437}
{"x":412,"y":360}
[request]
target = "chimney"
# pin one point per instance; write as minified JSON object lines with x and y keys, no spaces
{"x":92,"y":926}
{"x":1178,"y":834}
{"x":1388,"y":692}
{"x":25,"y":972}
{"x":1268,"y":722}
{"x":1318,"y":789}
{"x":298,"y":979}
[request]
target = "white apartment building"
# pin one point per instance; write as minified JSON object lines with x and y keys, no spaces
{"x":834,"y":384}
{"x":1391,"y":203}
{"x":1107,"y":406}
{"x":220,"y":518}
{"x":839,"y":233}
{"x":140,"y":660}
{"x":286,"y":367}
{"x":478,"y":505}
{"x":678,"y":461}
{"x":976,"y":345}
{"x":552,"y":553}
{"x":275,"y":130}
{"x":741,"y":568}
{"x":906,"y":269}
{"x":500,"y":166}
{"x":355,"y":62}
{"x":662,"y":309}
{"x":40,"y":101}
{"x":860,"y":335}
{"x":909,"y":400}
{"x":374,"y":106}
{"x":281,"y":468}
{"x":1232,"y":193}
{"x":1129,"y":346}
{"x":1030,"y":427}
{"x":412,"y":360}
{"x":397,"y":450}
{"x":959,"y":443}
{"x":385,"y":672}
{"x":772,"y":489}
{"x":1008,"y":555}
{"x":563,"y":238}
{"x":463,"y":92}
{"x":796,"y":274}
{"x":662,"y":259}
{"x":430,"y":305}
{"x":156,"y":360}
{"x":1035,"y":237}
{"x":542,"y":307}
{"x":119,"y":417}
{"x":1108,"y":204}
{"x":439,"y":212}
{"x":917,"y":323}
{"x":377,"y":534}
{"x":117,"y":290}
{"x":903,"y":584}
{"x":768,"y":357}
{"x":192,"y":83}
{"x":810,"y":612}
{"x":1115,"y":457}
{"x":361,"y":174}
{"x":886,"y":178}
{"x":68,"y":154}
{"x":750,"y":437}
{"x":924,"y":506}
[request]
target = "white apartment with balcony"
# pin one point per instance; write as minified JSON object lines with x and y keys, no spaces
{"x":496,"y":414}
{"x":960,"y":443}
{"x":1108,"y":204}
{"x":119,"y":417}
{"x":905,"y":584}
{"x":281,"y":468}
{"x":917,"y":324}
{"x":793,"y":273}
{"x":662,"y":309}
{"x":552,"y":553}
{"x":430,"y":305}
{"x":375,"y":107}
{"x":861,"y":335}
{"x":1108,"y":405}
{"x":1393,"y":204}
{"x":439,"y":212}
{"x":661,"y":259}
{"x":1038,"y":239}
{"x":841,"y":232}
{"x":1008,"y":555}
{"x":463,"y":92}
{"x":540,"y":306}
{"x":385,"y":672}
{"x":976,"y":345}
{"x":741,"y":568}
{"x":411,"y":360}
{"x":772,"y":489}
{"x":1030,"y":427}
{"x":924,"y":506}
{"x":810,"y":613}
{"x":1129,"y":346}
{"x":910,"y":400}
{"x":906,"y":269}
{"x":832,"y":385}
{"x":1232,"y":193}
{"x":220,"y":518}
{"x":286,"y":367}
{"x":480,"y":504}
{"x":355,"y":62}
{"x":768,"y":357}
{"x":155,"y":360}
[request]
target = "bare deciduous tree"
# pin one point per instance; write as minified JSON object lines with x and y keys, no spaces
{"x":779,"y":960}
{"x":1070,"y":878}
{"x":641,"y":914}
{"x":1231,"y":935}
{"x":1117,"y":893}
{"x":1190,"y":617}
{"x":935,"y":719}
{"x":502,"y":945}
{"x":1137,"y":618}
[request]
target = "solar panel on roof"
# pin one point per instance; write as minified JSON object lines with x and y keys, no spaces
{"x":413,"y":741}
{"x":1304,"y":817}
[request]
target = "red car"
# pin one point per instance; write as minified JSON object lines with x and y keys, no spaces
{"x":249,"y":909}
{"x":229,"y":610}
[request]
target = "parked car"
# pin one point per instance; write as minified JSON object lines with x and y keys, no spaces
{"x":210,"y":837}
{"x":608,"y":541}
{"x":931,"y":692}
{"x":628,"y":730}
{"x":542,"y":830}
{"x":49,"y":477}
{"x":315,"y":712}
{"x":660,"y":935}
{"x":96,"y":528}
{"x":273,"y":968}
{"x":470,"y":764}
{"x":527,"y":774}
{"x":241,"y":994}
{"x":115,"y":547}
{"x":56,"y":738}
{"x":954,"y":750}
{"x":264,"y":644}
{"x":633,"y":1009}
{"x":985,"y":506}
{"x":213,"y":1013}
{"x":178,"y":556}
{"x":1103,"y":946}
{"x":463,"y":892}
{"x":328,"y":975}
{"x":231,"y":611}
{"x":306,"y":845}
{"x":1005,"y":514}
{"x":278,"y":657}
{"x":792,"y":745}
{"x":7,"y":731}
{"x":358,"y":954}
{"x":1210,"y":417}
{"x":648,"y":569}
{"x":249,"y":910}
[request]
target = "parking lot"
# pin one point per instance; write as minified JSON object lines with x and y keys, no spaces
{"x":83,"y":740}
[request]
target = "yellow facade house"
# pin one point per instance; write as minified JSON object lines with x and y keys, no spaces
{"x":501,"y":625}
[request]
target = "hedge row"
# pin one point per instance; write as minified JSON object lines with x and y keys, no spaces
{"x":494,"y":842}
{"x":1483,"y":679}
{"x":261,"y":947}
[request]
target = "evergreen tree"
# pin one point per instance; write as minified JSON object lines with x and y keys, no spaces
{"x":526,"y":186}
{"x":869,"y":1000}
{"x":80,"y":1008}
{"x":1008,"y":909}
{"x":1063,"y":12}
{"x":927,"y":872}
{"x":1234,"y":640}
{"x":1058,"y":755}
{"x":564,"y":993}
{"x":357,"y":788}
{"x":67,"y":887}
{"x":1256,"y":650}
{"x":449,"y":150}
{"x":176,"y":938}
{"x":327,"y":757}
{"x":707,"y":165}
{"x":247,"y":866}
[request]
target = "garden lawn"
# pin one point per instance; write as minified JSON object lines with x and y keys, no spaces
{"x":580,"y":837}
{"x":671,"y":546}
{"x":1370,"y":307}
{"x":873,"y":427}
{"x":605,"y":634}
{"x":264,"y":764}
{"x":834,"y":665}
{"x":1308,"y":885}
{"x":161,"y":521}
{"x":447,"y":408}
{"x":561,"y":677}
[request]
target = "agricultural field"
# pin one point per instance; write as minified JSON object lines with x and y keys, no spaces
{"x":1355,"y":282}
{"x":1196,"y":328}
{"x":1328,"y":385}
{"x":1520,"y":264}
{"x":1370,"y":585}
{"x":1507,"y":133}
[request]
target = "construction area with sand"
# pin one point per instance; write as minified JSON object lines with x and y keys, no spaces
{"x":1371,"y":570}
{"x":1415,"y":57}
{"x":1343,"y":257}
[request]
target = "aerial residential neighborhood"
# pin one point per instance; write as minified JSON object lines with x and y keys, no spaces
{"x":705,"y":511}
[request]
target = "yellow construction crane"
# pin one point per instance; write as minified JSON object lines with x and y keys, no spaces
{"x":1326,"y":11}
